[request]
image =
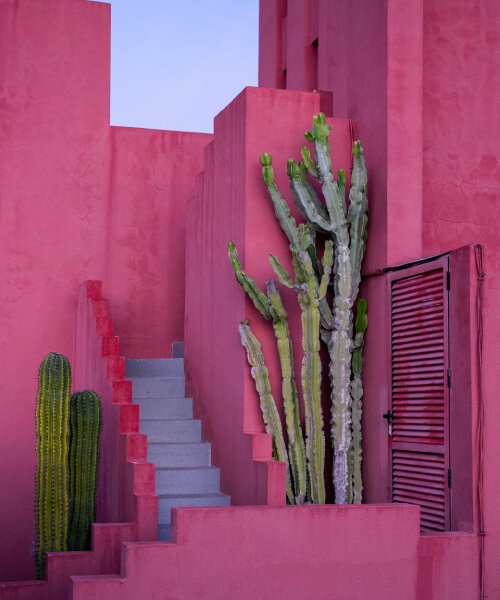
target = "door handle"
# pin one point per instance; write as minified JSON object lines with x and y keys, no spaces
{"x":389,"y":415}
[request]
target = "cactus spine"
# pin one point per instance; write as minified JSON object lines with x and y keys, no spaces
{"x":85,"y":429}
{"x":52,"y":478}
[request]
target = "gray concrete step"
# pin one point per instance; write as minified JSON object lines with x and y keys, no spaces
{"x":158,"y":387}
{"x":179,"y":454}
{"x":154,"y":367}
{"x":187,"y":480}
{"x":165,"y":408}
{"x":171,"y":430}
{"x":183,"y":472}
{"x":167,"y":502}
{"x":178,"y":349}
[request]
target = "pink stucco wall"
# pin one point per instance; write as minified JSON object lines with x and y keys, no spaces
{"x":80,"y":200}
{"x":461,"y":174}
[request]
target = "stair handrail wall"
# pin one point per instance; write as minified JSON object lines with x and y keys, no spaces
{"x":125,"y":477}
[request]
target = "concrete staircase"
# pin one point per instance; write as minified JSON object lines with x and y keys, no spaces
{"x":184,"y":475}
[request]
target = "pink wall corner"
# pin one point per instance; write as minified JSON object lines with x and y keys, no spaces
{"x":444,"y":567}
{"x":233,"y":205}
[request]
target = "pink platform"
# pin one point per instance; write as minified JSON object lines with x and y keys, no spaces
{"x":149,"y":214}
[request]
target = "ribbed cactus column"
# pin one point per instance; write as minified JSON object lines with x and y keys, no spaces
{"x":85,"y":429}
{"x":347,"y":230}
{"x":52,"y":446}
{"x":267,"y":404}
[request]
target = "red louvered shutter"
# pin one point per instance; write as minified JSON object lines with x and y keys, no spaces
{"x":419,"y":444}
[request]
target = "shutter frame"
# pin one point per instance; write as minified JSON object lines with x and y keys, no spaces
{"x":419,"y":457}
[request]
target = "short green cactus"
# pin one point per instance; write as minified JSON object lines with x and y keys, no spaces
{"x":85,"y":429}
{"x":52,"y":476}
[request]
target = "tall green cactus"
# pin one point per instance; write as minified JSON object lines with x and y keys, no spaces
{"x":347,"y":230}
{"x":52,"y":477}
{"x":85,"y":429}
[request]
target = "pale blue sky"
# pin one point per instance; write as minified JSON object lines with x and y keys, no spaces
{"x":176,"y":64}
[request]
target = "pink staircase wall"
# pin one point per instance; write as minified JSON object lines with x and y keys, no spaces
{"x":80,"y":200}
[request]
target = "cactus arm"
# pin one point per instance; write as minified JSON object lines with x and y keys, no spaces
{"x":327,"y":268}
{"x":281,"y":273}
{"x":311,"y":389}
{"x":302,"y":189}
{"x":281,"y":209}
{"x":357,"y":216}
{"x":296,"y":448}
{"x":357,"y":394}
{"x":258,"y":298}
{"x":270,"y":413}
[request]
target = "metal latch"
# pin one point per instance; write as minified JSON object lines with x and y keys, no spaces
{"x":389,"y":415}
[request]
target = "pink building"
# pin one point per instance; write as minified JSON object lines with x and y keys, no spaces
{"x":148,"y":214}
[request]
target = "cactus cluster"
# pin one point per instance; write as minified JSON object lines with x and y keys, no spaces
{"x":67,"y":432}
{"x":345,"y":233}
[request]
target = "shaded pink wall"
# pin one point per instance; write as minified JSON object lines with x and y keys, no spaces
{"x":232,"y":203}
{"x":294,"y":552}
{"x":79,"y":200}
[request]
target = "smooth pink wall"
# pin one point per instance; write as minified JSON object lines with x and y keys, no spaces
{"x":79,"y":200}
{"x":233,"y":204}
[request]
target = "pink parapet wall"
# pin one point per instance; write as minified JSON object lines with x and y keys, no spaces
{"x":80,"y":200}
{"x":232,"y":203}
{"x":284,"y":553}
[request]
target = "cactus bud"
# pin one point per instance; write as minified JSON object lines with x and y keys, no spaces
{"x":320,"y":129}
{"x":291,"y":167}
{"x":309,"y":136}
{"x":357,"y":149}
{"x":341,"y":177}
{"x":266,"y":159}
